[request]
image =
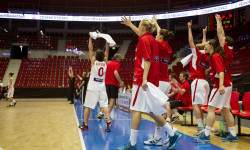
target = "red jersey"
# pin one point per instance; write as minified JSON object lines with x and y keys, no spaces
{"x":216,"y":66}
{"x":165,"y":52}
{"x":198,"y":64}
{"x":186,"y":96}
{"x":229,"y":54}
{"x":177,"y":95}
{"x":147,"y":49}
{"x":110,"y":78}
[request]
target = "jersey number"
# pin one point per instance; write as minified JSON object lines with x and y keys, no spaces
{"x":100,"y":71}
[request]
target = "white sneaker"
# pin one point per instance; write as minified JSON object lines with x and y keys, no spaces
{"x":153,"y":141}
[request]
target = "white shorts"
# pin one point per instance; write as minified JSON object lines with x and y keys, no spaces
{"x":10,"y":92}
{"x":164,"y":86}
{"x":220,"y":101}
{"x":200,"y":90}
{"x":139,"y":102}
{"x":92,"y":97}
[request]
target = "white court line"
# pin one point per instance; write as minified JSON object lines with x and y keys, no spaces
{"x":79,"y":130}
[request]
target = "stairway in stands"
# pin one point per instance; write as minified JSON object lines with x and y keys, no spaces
{"x":13,"y":67}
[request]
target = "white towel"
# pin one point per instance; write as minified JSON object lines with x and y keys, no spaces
{"x":107,"y":37}
{"x":156,"y":99}
{"x":188,"y":58}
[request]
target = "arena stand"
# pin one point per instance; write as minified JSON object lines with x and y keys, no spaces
{"x":3,"y":63}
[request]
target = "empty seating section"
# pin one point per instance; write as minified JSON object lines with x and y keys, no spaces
{"x":3,"y":65}
{"x":50,"y":72}
{"x":46,"y":42}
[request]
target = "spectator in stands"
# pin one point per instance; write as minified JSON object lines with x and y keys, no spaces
{"x":112,"y":82}
{"x":71,"y":86}
{"x":184,"y":90}
{"x":78,"y":92}
{"x":83,"y":85}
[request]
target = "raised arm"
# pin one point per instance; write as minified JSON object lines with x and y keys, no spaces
{"x":220,"y":31}
{"x":106,"y":55}
{"x":204,"y":39}
{"x":128,"y":23}
{"x":158,"y":28}
{"x":80,"y":78}
{"x":190,"y":35}
{"x":91,"y":52}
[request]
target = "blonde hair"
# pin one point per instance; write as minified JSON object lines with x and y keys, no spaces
{"x":201,"y":46}
{"x":117,"y":55}
{"x":149,"y":25}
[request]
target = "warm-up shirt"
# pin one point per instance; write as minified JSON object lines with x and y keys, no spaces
{"x":186,"y":96}
{"x":147,"y":49}
{"x":216,"y":66}
{"x":229,"y":55}
{"x":110,"y":76}
{"x":165,"y":51}
{"x":198,"y":64}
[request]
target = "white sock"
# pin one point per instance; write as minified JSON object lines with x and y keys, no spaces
{"x":157,"y":135}
{"x":208,"y":130}
{"x":174,"y":115}
{"x":199,"y":121}
{"x":14,"y":101}
{"x":232,"y":130}
{"x":11,"y":103}
{"x":101,"y":113}
{"x":169,"y":129}
{"x":133,"y":137}
{"x":168,"y":119}
{"x":225,"y":127}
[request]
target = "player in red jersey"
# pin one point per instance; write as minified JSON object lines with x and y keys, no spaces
{"x":165,"y":51}
{"x":219,"y":95}
{"x":225,"y":112}
{"x":199,"y":86}
{"x":146,"y":70}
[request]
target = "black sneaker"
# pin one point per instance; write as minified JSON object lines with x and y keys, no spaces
{"x":174,"y":119}
{"x":107,"y":128}
{"x":83,"y":127}
{"x":15,"y":103}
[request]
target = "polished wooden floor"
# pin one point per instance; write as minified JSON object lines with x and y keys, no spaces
{"x":243,"y":143}
{"x":39,"y":125}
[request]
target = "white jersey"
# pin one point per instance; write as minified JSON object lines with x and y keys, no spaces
{"x":97,"y":76}
{"x":12,"y":84}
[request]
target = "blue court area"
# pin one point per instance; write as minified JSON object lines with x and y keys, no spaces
{"x":97,"y":139}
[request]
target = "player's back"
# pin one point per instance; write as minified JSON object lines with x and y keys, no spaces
{"x":97,"y":76}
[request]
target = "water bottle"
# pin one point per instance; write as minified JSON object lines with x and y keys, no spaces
{"x":221,"y":128}
{"x":184,"y":118}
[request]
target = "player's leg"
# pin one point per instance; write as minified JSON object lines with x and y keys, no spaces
{"x":173,"y":135}
{"x":228,"y":116}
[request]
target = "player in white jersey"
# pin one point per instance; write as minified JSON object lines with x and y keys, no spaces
{"x":11,"y":91}
{"x":96,"y":90}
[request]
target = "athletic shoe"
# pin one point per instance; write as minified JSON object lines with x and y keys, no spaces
{"x":15,"y":103}
{"x":153,"y":141}
{"x":199,"y":131}
{"x":174,"y":119}
{"x":83,"y":127}
{"x":203,"y":138}
{"x":107,"y":127}
{"x":127,"y":146}
{"x":173,"y":140}
{"x":10,"y":106}
{"x":230,"y":138}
